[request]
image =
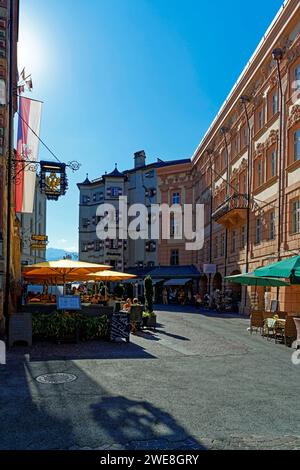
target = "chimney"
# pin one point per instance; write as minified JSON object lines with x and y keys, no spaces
{"x":139,"y":159}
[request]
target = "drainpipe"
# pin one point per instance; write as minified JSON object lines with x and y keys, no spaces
{"x":245,"y":100}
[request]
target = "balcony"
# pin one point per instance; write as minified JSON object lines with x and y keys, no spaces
{"x":233,"y":211}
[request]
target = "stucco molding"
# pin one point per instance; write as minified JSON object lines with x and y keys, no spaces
{"x":272,"y":139}
{"x":294,"y":116}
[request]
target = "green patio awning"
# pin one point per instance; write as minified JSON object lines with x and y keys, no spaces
{"x":287,"y":268}
{"x":250,"y":279}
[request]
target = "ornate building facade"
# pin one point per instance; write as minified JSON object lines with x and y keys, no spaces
{"x":8,"y":68}
{"x":246,"y":170}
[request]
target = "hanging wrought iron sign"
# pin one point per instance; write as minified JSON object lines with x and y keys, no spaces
{"x":53,"y":179}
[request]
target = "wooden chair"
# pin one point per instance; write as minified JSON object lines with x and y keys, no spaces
{"x":256,"y":321}
{"x":282,"y":315}
{"x":136,"y":317}
{"x":290,"y":331}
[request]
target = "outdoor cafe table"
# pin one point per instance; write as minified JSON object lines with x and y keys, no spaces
{"x":270,"y":324}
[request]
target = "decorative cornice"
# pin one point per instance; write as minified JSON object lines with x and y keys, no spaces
{"x":272,"y":139}
{"x":294,"y":116}
{"x":259,"y":150}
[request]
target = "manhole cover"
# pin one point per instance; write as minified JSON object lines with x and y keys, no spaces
{"x":57,"y":378}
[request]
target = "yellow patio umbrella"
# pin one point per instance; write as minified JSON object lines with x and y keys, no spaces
{"x":61,"y":271}
{"x":109,"y":275}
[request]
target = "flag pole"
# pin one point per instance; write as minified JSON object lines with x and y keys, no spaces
{"x":9,"y":172}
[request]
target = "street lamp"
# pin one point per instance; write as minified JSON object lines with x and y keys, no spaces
{"x":277,"y":55}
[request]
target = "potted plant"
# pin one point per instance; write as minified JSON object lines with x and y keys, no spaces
{"x":149,"y":320}
{"x":149,"y":317}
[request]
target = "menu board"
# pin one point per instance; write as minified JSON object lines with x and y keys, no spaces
{"x":68,"y":302}
{"x":120,"y":326}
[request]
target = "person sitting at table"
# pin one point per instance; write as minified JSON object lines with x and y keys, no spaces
{"x":95,"y":299}
{"x":127,"y":305}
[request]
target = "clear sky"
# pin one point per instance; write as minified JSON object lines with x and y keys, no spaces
{"x":117,"y":76}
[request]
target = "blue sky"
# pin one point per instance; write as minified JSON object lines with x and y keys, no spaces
{"x":117,"y":76}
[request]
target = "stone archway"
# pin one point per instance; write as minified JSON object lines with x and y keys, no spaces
{"x":217,"y":282}
{"x":203,"y":285}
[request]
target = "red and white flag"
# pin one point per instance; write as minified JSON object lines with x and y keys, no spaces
{"x":27,"y":151}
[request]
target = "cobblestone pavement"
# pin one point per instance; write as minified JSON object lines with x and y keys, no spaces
{"x":200,"y":381}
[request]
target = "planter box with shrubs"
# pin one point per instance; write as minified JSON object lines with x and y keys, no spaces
{"x":68,"y":327}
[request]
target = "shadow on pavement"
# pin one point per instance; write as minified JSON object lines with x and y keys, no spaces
{"x":80,"y":414}
{"x":47,"y":351}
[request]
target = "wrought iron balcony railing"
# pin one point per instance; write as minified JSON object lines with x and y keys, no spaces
{"x":233,"y":203}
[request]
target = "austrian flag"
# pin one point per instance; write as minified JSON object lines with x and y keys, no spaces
{"x":27,"y":151}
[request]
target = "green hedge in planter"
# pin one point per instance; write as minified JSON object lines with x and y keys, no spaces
{"x":64,"y":325}
{"x":94,"y":327}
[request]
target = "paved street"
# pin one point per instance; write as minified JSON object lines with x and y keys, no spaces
{"x":200,"y":381}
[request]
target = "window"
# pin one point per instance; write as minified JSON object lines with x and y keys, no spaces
{"x":297,"y":77}
{"x":85,"y":222}
{"x":245,"y":136}
{"x":84,"y":247}
{"x":243,"y":183}
{"x":98,"y":245}
{"x":243,"y":236}
{"x":259,"y":173}
{"x":174,"y":226}
{"x":85,"y":199}
{"x":272,"y":226}
{"x":115,"y":192}
{"x":258,"y":231}
{"x":260,"y":120}
{"x":150,"y":246}
{"x":174,"y":261}
{"x":297,"y":145}
{"x":275,"y":103}
{"x":207,"y":251}
{"x":273,"y":163}
{"x":295,"y":216}
{"x":98,"y":196}
{"x":223,"y":245}
{"x":224,"y":158}
{"x":216,"y":250}
{"x":149,"y":174}
{"x":175,"y":198}
{"x":233,"y":241}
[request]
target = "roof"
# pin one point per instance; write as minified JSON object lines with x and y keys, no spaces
{"x":139,"y":272}
{"x":116,"y":174}
{"x":85,"y":182}
{"x":159,"y":164}
{"x":175,"y":272}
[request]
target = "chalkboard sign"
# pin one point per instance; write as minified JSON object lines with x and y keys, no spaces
{"x":120,"y":326}
{"x":69,"y":302}
{"x":20,"y":328}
